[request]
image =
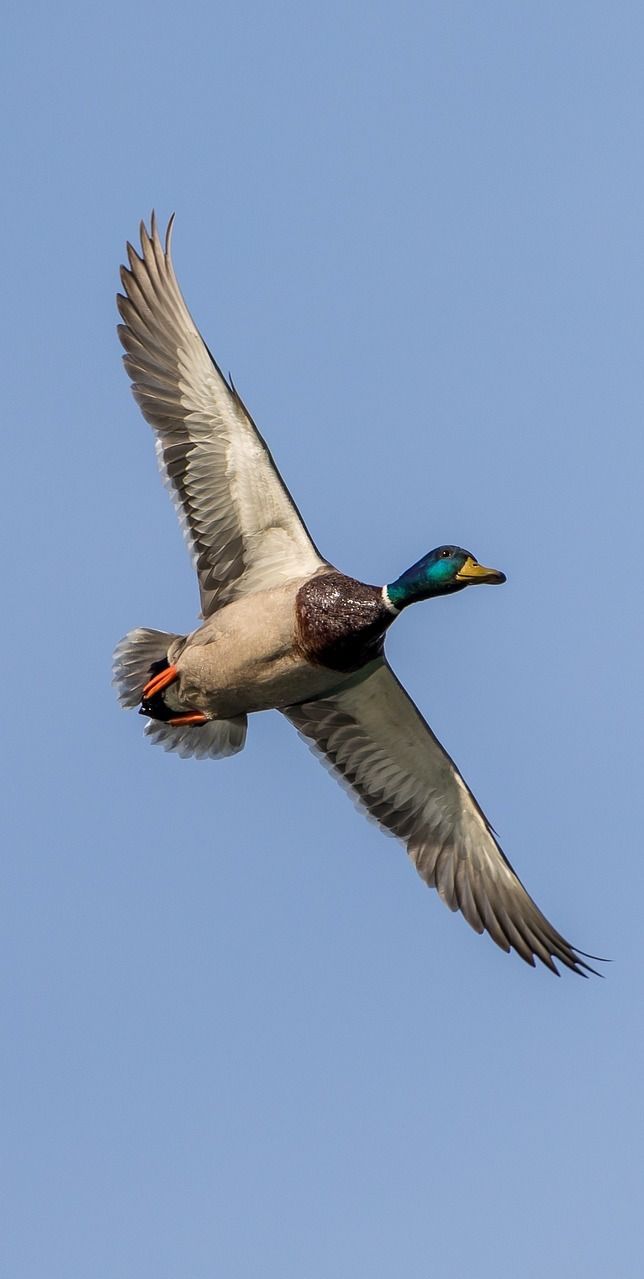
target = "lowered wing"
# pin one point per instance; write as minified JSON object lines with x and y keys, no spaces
{"x":377,"y":742}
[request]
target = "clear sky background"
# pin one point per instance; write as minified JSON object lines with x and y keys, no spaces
{"x":240,"y":1037}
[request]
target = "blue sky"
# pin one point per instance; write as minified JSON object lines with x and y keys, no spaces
{"x":239,"y":1036}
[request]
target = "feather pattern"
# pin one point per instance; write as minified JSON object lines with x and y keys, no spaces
{"x":217,"y":739}
{"x":377,"y":743}
{"x":241,"y":524}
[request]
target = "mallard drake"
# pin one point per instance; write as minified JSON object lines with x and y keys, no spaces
{"x":283,"y":629}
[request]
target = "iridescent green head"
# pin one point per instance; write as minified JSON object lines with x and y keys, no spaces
{"x":443,"y":571}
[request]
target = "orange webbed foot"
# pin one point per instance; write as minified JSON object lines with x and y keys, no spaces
{"x":159,"y":682}
{"x":191,"y":717}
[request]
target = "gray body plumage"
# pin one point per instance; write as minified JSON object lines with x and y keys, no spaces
{"x":270,"y":649}
{"x":249,"y":657}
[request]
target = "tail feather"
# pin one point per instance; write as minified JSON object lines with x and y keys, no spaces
{"x":215,"y":740}
{"x":135,"y":659}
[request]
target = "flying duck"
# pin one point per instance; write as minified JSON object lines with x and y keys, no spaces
{"x":283,"y":629}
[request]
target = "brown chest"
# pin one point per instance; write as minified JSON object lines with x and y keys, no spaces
{"x":341,"y":622}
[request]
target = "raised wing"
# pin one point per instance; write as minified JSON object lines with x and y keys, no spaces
{"x":377,"y":742}
{"x":241,"y":523}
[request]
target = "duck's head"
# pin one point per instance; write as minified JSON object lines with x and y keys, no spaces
{"x":443,"y":571}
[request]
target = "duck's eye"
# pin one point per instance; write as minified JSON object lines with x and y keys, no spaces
{"x":445,"y":555}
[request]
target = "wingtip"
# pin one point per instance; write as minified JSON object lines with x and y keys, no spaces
{"x":152,"y":236}
{"x":582,"y":968}
{"x":133,"y":256}
{"x":577,"y":965}
{"x":168,"y":235}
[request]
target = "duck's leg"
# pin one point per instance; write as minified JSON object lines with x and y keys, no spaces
{"x":190,"y":717}
{"x":152,"y":701}
{"x":159,"y":682}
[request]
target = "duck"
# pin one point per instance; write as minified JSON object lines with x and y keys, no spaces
{"x":283,"y":629}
